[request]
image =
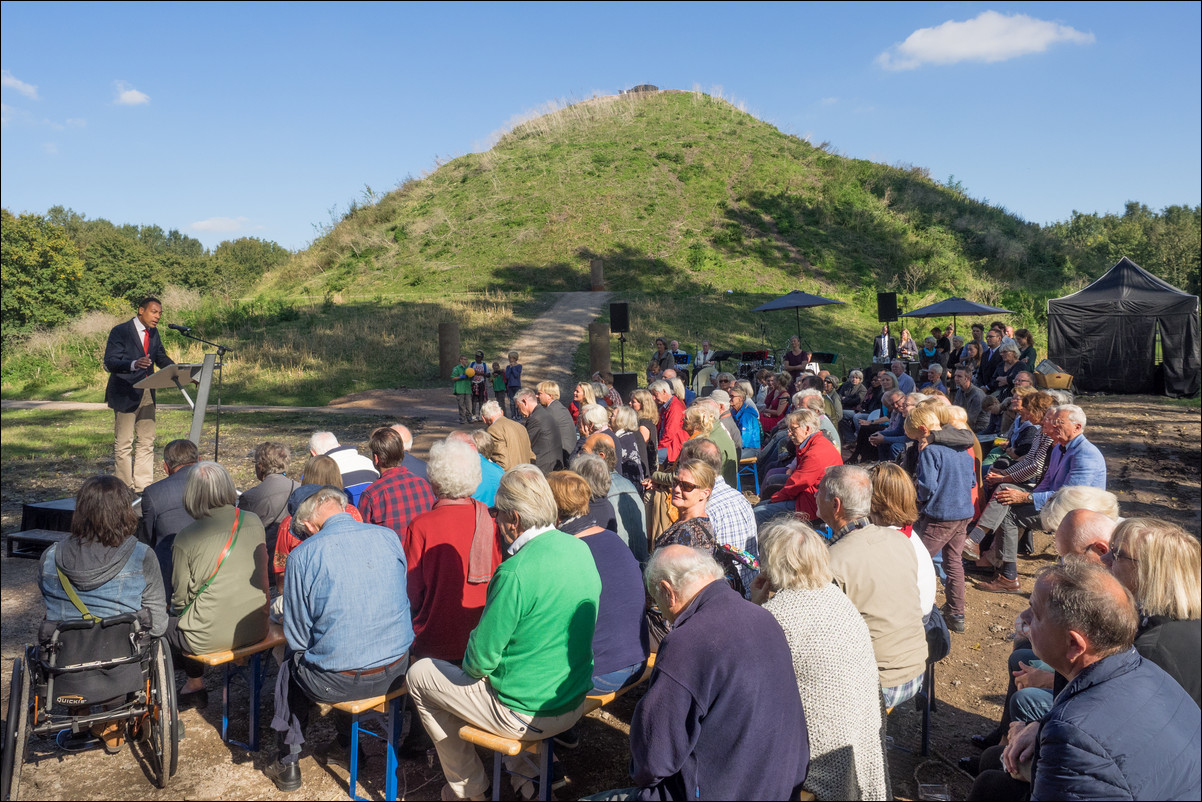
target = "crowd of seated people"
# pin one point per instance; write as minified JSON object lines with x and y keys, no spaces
{"x":536,"y":560}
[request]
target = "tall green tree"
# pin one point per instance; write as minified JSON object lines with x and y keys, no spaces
{"x":40,"y":271}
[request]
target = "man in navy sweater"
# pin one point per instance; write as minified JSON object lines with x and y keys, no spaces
{"x":722,"y":718}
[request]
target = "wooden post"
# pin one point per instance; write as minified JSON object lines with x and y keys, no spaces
{"x":448,"y":348}
{"x":598,"y":347}
{"x":597,"y":271}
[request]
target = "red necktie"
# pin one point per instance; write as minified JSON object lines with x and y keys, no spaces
{"x":146,"y":341}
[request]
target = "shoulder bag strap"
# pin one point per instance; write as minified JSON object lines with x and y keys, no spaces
{"x":229,"y":544}
{"x":74,"y":597}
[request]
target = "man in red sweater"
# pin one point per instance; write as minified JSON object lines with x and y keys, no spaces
{"x":671,"y":421}
{"x":452,"y":552}
{"x":815,"y":454}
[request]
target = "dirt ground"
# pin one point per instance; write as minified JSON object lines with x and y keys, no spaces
{"x":1152,"y":452}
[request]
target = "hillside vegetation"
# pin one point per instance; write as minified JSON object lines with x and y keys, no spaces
{"x":699,"y":211}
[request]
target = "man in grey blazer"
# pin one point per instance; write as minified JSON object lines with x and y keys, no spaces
{"x":269,"y":498}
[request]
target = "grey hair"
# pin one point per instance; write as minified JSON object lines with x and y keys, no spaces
{"x":725,"y":375}
{"x":594,"y":471}
{"x":1077,"y":497}
{"x":270,"y":457}
{"x":484,"y":443}
{"x":915,"y":398}
{"x":793,"y":555}
{"x":595,"y":415}
{"x":1009,"y":348}
{"x":928,"y":339}
{"x":857,"y":373}
{"x":209,"y":487}
{"x":322,"y":442}
{"x":897,"y":362}
{"x":711,"y":404}
{"x":453,"y":469}
{"x":524,"y":490}
{"x":525,"y":393}
{"x":1072,"y":412}
{"x":1063,"y":397}
{"x":682,"y":567}
{"x":491,"y":409}
{"x":852,"y":485}
{"x":307,"y":508}
{"x":677,"y":387}
{"x":892,"y":394}
{"x":659,"y":386}
{"x":720,"y":397}
{"x":625,"y":419}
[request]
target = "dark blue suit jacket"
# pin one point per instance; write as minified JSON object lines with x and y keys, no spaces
{"x":123,"y":347}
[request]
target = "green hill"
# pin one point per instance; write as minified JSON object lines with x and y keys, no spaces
{"x":678,"y":192}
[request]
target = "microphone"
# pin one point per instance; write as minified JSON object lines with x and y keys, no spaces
{"x":179,"y":328}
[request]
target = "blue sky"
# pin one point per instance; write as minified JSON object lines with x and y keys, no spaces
{"x":228,"y":120}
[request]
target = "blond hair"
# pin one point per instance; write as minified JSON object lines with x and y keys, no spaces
{"x":894,"y":499}
{"x":551,"y":388}
{"x":923,"y":416}
{"x":1168,"y":576}
{"x":704,"y":476}
{"x":698,"y":420}
{"x":648,"y":407}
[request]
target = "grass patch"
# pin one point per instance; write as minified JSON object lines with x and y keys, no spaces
{"x":285,"y":353}
{"x":47,"y":454}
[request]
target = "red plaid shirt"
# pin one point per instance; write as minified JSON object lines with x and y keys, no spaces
{"x":395,"y":499}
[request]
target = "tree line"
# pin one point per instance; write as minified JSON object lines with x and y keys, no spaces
{"x":60,"y":264}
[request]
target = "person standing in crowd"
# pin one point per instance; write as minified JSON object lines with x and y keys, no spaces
{"x":132,"y":352}
{"x":548,"y":398}
{"x":461,"y":387}
{"x":544,"y":435}
{"x":498,"y":386}
{"x":479,"y":384}
{"x":513,"y":381}
{"x":884,"y":347}
{"x":511,"y":442}
{"x":357,"y":470}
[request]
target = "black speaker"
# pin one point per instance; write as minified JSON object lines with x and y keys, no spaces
{"x":886,"y":307}
{"x":625,"y":383}
{"x":619,"y":318}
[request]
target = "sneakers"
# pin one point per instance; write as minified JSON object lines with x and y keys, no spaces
{"x":286,"y":776}
{"x":1000,"y":584}
{"x":335,"y":754}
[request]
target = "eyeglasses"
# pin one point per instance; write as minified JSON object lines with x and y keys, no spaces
{"x":1118,"y":554}
{"x":687,"y":487}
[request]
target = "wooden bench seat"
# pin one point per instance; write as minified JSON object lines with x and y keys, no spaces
{"x":391,"y":708}
{"x":510,"y":747}
{"x":233,"y":660}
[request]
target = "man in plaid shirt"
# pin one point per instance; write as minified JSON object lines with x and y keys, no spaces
{"x":398,"y":496}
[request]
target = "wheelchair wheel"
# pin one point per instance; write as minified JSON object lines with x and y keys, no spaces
{"x":16,"y":733}
{"x":164,"y":716}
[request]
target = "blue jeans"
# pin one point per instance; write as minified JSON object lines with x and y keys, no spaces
{"x":767,"y":510}
{"x":617,"y":680}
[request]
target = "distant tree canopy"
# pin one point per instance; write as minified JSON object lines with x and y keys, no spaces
{"x":60,"y":264}
{"x":1167,"y":243}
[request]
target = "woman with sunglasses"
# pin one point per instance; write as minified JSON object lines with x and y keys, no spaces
{"x":690,"y":492}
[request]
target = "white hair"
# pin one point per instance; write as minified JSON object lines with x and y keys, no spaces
{"x":683,"y":568}
{"x":624,"y":419}
{"x":524,"y":490}
{"x":453,"y":469}
{"x":322,"y":442}
{"x":594,"y":471}
{"x":308,"y":507}
{"x":595,"y":415}
{"x":1077,"y":497}
{"x":850,"y":484}
{"x":491,"y":409}
{"x":659,"y":386}
{"x":1072,"y":412}
{"x":406,"y":436}
{"x":720,"y":397}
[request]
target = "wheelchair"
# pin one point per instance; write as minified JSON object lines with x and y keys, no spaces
{"x":89,"y":673}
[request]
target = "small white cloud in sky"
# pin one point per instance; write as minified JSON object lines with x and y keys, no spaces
{"x":128,"y":96}
{"x":6,"y":114}
{"x":50,"y":149}
{"x":9,"y":81}
{"x":989,"y":37}
{"x":76,"y":122}
{"x":220,"y":225}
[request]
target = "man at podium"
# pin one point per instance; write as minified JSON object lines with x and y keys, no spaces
{"x":130,"y":355}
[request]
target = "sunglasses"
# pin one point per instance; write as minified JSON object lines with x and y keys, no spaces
{"x":1119,"y":554}
{"x":687,"y":487}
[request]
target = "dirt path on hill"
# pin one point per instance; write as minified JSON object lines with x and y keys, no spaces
{"x":1152,"y":452}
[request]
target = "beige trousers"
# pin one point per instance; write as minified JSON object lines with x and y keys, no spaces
{"x":135,"y":461}
{"x":447,"y":697}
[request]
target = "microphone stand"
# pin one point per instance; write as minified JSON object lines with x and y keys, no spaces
{"x":222,"y":350}
{"x":622,"y":349}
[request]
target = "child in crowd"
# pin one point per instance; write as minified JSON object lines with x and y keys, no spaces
{"x":513,"y":380}
{"x":498,"y":385}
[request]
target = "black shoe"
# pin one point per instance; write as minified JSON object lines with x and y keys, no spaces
{"x":193,"y":699}
{"x":286,"y":776}
{"x":568,"y":739}
{"x":955,"y":623}
{"x":983,"y":742}
{"x":971,"y":567}
{"x":335,"y":754}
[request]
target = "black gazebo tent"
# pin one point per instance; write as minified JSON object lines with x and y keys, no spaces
{"x":1105,"y":334}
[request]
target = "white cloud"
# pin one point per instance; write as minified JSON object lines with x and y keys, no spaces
{"x":8,"y":81}
{"x":220,"y":225}
{"x":50,"y":149}
{"x":128,"y":96}
{"x":989,"y":37}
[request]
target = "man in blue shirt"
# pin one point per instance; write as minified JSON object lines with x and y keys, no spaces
{"x":904,"y":382}
{"x":346,"y":618}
